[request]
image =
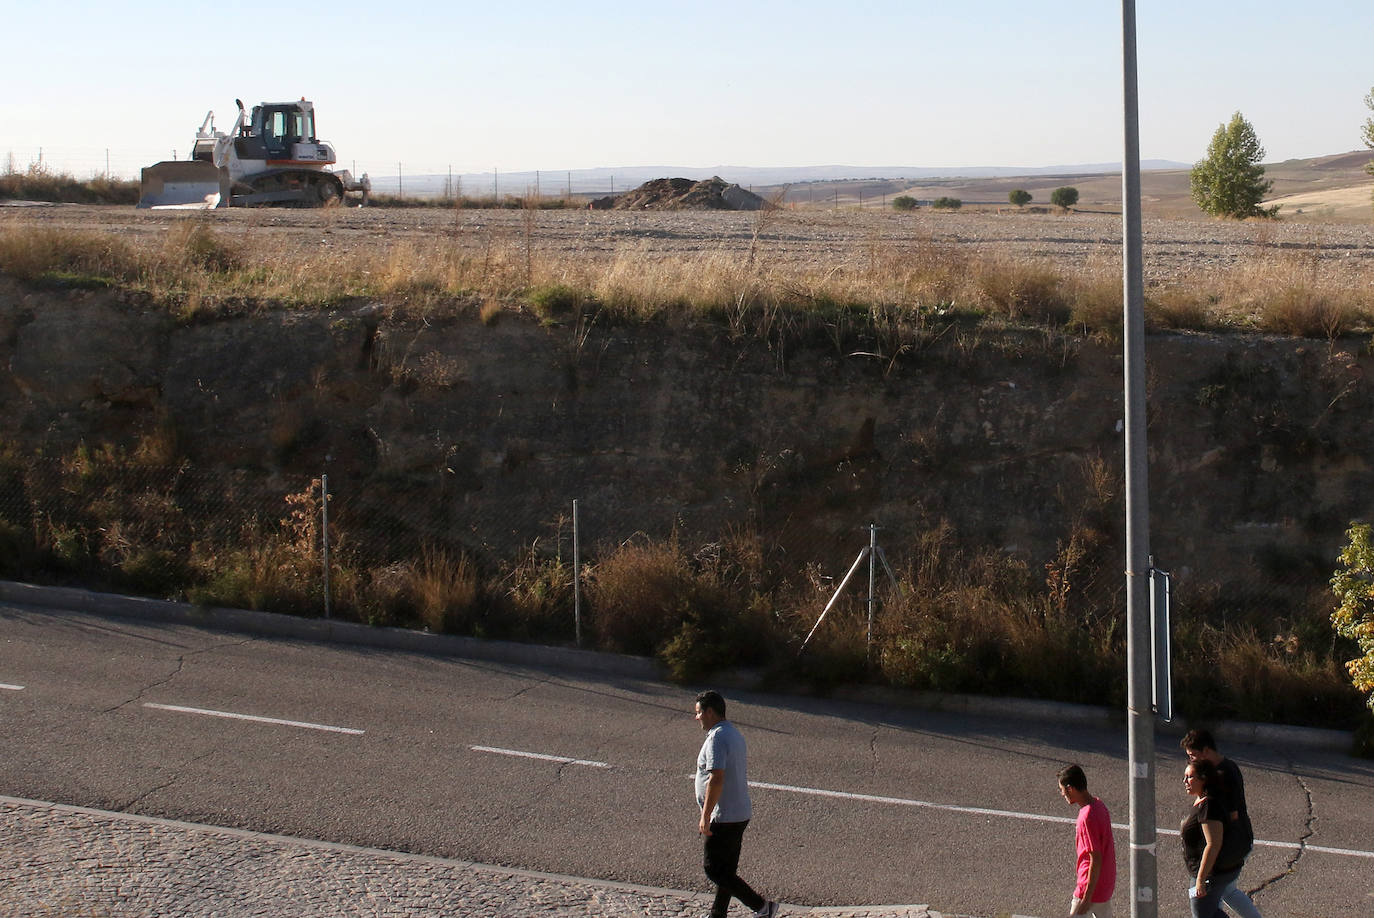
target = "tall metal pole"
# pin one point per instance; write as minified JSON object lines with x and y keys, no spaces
{"x":1139,"y":643}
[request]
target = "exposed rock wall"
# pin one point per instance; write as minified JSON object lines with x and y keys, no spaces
{"x":1260,"y":447}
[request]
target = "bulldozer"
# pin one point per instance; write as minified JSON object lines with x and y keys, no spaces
{"x":271,"y":157}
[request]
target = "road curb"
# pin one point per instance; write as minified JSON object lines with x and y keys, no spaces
{"x":273,"y":624}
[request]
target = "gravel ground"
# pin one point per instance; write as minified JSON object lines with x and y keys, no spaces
{"x":1173,"y":248}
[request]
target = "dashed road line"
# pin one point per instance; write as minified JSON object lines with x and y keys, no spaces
{"x":539,"y":755}
{"x":1013,"y":814}
{"x":11,"y":688}
{"x":277,"y":721}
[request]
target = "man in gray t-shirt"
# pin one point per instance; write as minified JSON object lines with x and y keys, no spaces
{"x":723,"y":800}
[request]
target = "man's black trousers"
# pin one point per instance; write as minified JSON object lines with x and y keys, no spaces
{"x":721,"y":863}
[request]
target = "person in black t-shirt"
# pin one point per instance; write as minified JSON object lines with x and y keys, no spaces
{"x":1202,"y":834}
{"x":1230,"y":792}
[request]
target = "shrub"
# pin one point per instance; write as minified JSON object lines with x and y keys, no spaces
{"x":1353,"y":585}
{"x":1304,"y":310}
{"x":446,"y":591}
{"x":533,"y":599}
{"x":639,"y":595}
{"x":904,"y":202}
{"x":1019,"y":197}
{"x":1064,"y":198}
{"x":947,"y":204}
{"x":553,"y":300}
{"x":1026,"y":290}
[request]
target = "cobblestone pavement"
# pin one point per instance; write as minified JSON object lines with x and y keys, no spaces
{"x":70,"y":862}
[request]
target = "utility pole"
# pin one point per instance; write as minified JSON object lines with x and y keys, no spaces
{"x":1139,"y":641}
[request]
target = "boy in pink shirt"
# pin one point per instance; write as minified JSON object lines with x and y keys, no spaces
{"x":1096,"y":878}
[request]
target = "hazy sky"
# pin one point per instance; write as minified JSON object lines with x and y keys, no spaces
{"x":570,"y":85}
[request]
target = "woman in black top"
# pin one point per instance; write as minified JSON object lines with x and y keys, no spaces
{"x":1201,"y":832}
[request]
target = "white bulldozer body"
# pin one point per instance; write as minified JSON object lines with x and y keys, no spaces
{"x":269,"y":157}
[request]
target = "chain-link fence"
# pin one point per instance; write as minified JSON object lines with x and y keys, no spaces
{"x":414,"y":553}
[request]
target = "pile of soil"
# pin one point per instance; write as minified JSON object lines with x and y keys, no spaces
{"x":683,"y":194}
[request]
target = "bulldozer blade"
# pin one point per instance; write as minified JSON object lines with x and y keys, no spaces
{"x":184,"y":184}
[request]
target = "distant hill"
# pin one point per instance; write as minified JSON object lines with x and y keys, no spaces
{"x":1332,"y":188}
{"x":1329,"y":188}
{"x":612,"y":180}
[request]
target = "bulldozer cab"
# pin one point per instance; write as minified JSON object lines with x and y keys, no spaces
{"x":279,"y":126}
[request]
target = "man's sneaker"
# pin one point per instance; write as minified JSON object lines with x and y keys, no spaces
{"x":769,"y":910}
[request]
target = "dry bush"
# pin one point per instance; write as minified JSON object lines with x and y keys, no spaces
{"x":1277,"y":680}
{"x":1180,"y":306}
{"x":446,"y":590}
{"x":1290,"y":294}
{"x":533,"y":597}
{"x":1096,"y":299}
{"x":639,"y":595}
{"x":635,"y":284}
{"x":276,"y":569}
{"x":1308,"y":311}
{"x":193,"y":245}
{"x":1022,"y":289}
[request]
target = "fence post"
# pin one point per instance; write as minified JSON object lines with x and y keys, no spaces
{"x":577,"y":577}
{"x":872,"y":576}
{"x":324,"y":535}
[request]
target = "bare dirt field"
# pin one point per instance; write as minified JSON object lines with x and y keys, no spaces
{"x":798,"y":239}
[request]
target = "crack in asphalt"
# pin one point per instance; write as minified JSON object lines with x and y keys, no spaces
{"x":1308,"y":831}
{"x":176,"y":777}
{"x":180,"y":665}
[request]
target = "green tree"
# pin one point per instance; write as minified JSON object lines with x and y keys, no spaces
{"x":904,"y":202}
{"x":947,"y":204}
{"x":1368,"y":130}
{"x":1353,"y":585}
{"x":1230,"y":181}
{"x":1020,"y":197}
{"x":1064,"y":198}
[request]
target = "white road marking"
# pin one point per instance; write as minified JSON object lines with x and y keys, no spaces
{"x":539,"y":755}
{"x":11,"y":688}
{"x":305,"y":725}
{"x":903,"y":801}
{"x":1013,"y":814}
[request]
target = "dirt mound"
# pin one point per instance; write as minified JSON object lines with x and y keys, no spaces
{"x":683,"y":194}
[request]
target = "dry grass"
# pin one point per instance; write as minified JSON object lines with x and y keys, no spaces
{"x":884,"y":286}
{"x":38,"y":183}
{"x":963,"y":618}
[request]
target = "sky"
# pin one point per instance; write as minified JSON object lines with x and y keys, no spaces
{"x":425,"y":87}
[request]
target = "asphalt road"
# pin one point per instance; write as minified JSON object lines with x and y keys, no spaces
{"x":854,"y":804}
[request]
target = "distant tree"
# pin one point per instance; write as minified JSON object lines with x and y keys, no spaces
{"x":1230,"y":181}
{"x":905,"y":202}
{"x":1064,"y":198}
{"x":947,"y":204}
{"x":1020,"y":197}
{"x":1368,"y":130}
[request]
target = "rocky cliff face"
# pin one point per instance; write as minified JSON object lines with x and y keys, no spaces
{"x":1260,"y":447}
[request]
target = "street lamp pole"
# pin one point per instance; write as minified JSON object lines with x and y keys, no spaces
{"x":1141,"y":745}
